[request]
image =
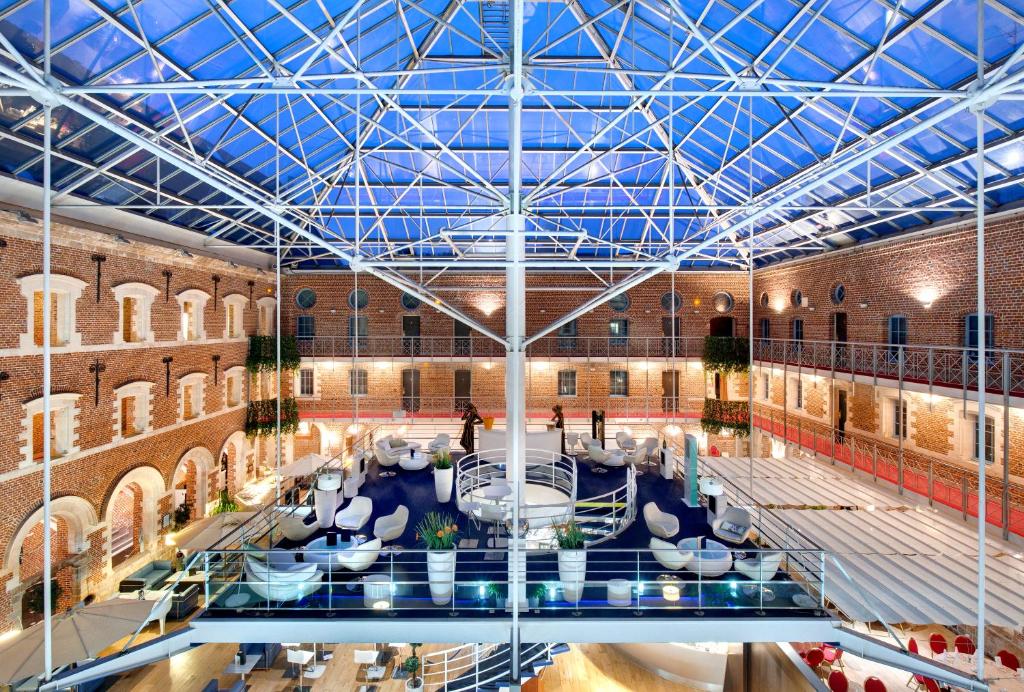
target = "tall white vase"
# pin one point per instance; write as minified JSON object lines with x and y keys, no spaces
{"x":443,"y":483}
{"x":441,"y":575}
{"x":325,"y":498}
{"x":572,"y":572}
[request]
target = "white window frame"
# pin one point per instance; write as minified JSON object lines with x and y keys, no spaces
{"x":889,"y":419}
{"x":575,"y":383}
{"x":233,"y":375}
{"x":798,"y":395}
{"x":64,"y":414}
{"x":969,"y":422}
{"x":198,"y":380}
{"x":68,"y":290}
{"x":297,"y":384}
{"x":352,"y":382}
{"x":766,"y":386}
{"x":200,"y":298}
{"x":626,"y":393}
{"x":266,"y":310}
{"x":240,"y":302}
{"x":144,"y":294}
{"x":142,"y":391}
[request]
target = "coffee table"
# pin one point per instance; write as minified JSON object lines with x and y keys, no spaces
{"x":327,"y":556}
{"x":710,"y":558}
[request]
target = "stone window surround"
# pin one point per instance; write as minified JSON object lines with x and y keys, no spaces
{"x":296,"y":387}
{"x":144,"y":294}
{"x":240,"y":302}
{"x":64,"y":414}
{"x":235,"y":373}
{"x":267,"y":305}
{"x":68,"y":290}
{"x":198,"y":379}
{"x":200,"y":298}
{"x":141,"y":390}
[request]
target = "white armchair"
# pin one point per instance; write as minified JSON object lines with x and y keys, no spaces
{"x":361,"y":557}
{"x":734,"y":525}
{"x":760,"y":567}
{"x":387,"y":458}
{"x":661,"y":524}
{"x":649,"y":446}
{"x":442,"y":441}
{"x":354,"y":516}
{"x":295,"y":528}
{"x":604,"y":457}
{"x":635,"y":460}
{"x":625,"y":442}
{"x":391,"y":526}
{"x":668,"y":555}
{"x":587,"y":441}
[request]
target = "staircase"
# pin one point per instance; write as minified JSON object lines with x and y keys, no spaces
{"x":491,"y":672}
{"x":494,"y":18}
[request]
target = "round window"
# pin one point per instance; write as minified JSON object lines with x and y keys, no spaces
{"x":358,"y":299}
{"x":305,"y":298}
{"x":838,"y":294}
{"x":722,"y":301}
{"x":619,"y":303}
{"x":764,"y":299}
{"x":671,"y":301}
{"x":796,"y":297}
{"x":409,"y":301}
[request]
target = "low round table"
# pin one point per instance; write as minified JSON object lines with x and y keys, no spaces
{"x":710,"y":558}
{"x":324,"y":555}
{"x":416,"y":462}
{"x":237,"y":600}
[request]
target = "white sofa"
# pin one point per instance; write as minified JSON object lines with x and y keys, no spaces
{"x":391,"y":526}
{"x":760,"y":567}
{"x":279,"y":577}
{"x":295,"y":528}
{"x":355,"y":515}
{"x":661,"y":524}
{"x":360,"y":557}
{"x":668,"y":555}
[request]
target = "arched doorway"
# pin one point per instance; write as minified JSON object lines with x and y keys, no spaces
{"x":131,"y":513}
{"x":189,"y":486}
{"x":232,"y":464}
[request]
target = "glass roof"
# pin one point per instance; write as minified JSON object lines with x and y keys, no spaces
{"x":649,"y":129}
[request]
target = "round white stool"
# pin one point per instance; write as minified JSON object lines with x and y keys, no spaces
{"x":377,"y":592}
{"x":620,"y":593}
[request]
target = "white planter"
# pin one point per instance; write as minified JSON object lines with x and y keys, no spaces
{"x":441,"y":575}
{"x":411,"y":687}
{"x":572,"y":572}
{"x":443,"y":483}
{"x":325,"y":503}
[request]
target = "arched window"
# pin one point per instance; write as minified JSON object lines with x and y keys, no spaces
{"x":64,"y":293}
{"x":134,"y":306}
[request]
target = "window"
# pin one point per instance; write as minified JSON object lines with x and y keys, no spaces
{"x":764,"y":299}
{"x":233,"y":379}
{"x":358,"y":382}
{"x":193,"y":304}
{"x":619,"y":303}
{"x":796,"y":298}
{"x":132,"y":406}
{"x":566,"y":383}
{"x":765,"y":386}
{"x":671,"y":301}
{"x":135,"y":303}
{"x":463,"y":387}
{"x":306,"y":327}
{"x":898,"y":411}
{"x":234,"y":314}
{"x":765,"y":329}
{"x":797,"y":332}
{"x":618,"y":332}
{"x":266,"y":315}
{"x":971,"y":330}
{"x":723,"y":302}
{"x":567,"y":335}
{"x":798,"y":392}
{"x":190,"y":394}
{"x":306,"y":379}
{"x":838,"y":294}
{"x":897,"y":334}
{"x":618,"y":383}
{"x":305,"y":298}
{"x":64,"y":292}
{"x":358,"y":299}
{"x":63,"y":423}
{"x":990,"y":438}
{"x":410,"y":302}
{"x":358,"y":330}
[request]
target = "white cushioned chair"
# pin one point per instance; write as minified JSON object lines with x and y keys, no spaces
{"x":354,"y":516}
{"x":668,"y":555}
{"x":387,"y":457}
{"x":442,"y":441}
{"x":360,"y":557}
{"x":661,"y":524}
{"x":604,"y":457}
{"x":733,"y":526}
{"x":586,"y":441}
{"x":295,"y":529}
{"x":649,"y":446}
{"x":624,"y":441}
{"x":280,"y":577}
{"x":391,"y":526}
{"x":760,"y":567}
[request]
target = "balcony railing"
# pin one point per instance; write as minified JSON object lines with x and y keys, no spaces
{"x":399,"y":346}
{"x":936,"y":366}
{"x":616,"y":347}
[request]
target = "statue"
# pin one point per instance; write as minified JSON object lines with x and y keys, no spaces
{"x":559,"y":419}
{"x":471,"y":417}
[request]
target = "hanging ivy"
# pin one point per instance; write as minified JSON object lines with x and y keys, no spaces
{"x":262,"y":356}
{"x":726,"y":354}
{"x":722,"y":415}
{"x":261,"y":415}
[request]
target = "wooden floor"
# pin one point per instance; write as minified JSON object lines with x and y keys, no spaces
{"x":586,"y":668}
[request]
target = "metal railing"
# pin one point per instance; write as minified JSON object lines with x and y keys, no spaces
{"x":345,"y":346}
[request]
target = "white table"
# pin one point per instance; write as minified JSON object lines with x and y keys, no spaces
{"x":242,"y":669}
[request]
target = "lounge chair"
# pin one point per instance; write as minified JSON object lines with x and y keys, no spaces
{"x":661,"y":524}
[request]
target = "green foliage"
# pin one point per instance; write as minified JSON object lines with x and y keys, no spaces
{"x":726,"y":354}
{"x":260,"y":417}
{"x":411,"y":665}
{"x":262,"y":356}
{"x":181,"y":516}
{"x":437,"y":531}
{"x":569,"y":536}
{"x":443,"y":460}
{"x":34,"y":597}
{"x":725,"y":415}
{"x":497,"y":590}
{"x":225,"y":504}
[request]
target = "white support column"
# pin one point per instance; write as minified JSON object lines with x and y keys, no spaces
{"x":47,"y":348}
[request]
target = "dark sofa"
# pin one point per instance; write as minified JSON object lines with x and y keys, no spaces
{"x":149,"y":577}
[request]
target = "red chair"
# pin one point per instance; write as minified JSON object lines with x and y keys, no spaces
{"x":837,"y":681}
{"x":873,"y":684}
{"x":814,"y":657}
{"x":1008,"y":659}
{"x":833,"y":656}
{"x":931,"y":685}
{"x":964,"y":645}
{"x":938,"y":644}
{"x":713,"y":452}
{"x":912,"y":646}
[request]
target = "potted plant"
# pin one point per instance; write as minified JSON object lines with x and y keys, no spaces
{"x":411,"y":666}
{"x":443,"y":475}
{"x":572,"y":560}
{"x":536,"y":597}
{"x":499,"y":593}
{"x":440,"y":535}
{"x":181,"y":516}
{"x":224,"y":504}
